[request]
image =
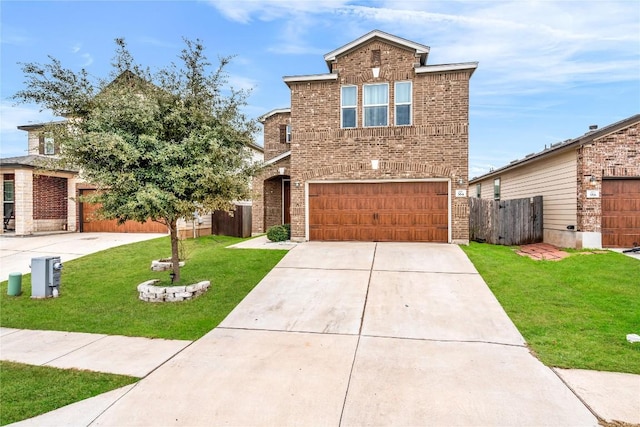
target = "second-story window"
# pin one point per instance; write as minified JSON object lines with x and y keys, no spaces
{"x":348,"y":106}
{"x":496,"y":189}
{"x":403,"y":103}
{"x":288,"y":133}
{"x":376,"y":104}
{"x":49,"y":146}
{"x":478,"y":190}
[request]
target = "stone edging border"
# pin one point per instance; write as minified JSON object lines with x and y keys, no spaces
{"x":150,"y":293}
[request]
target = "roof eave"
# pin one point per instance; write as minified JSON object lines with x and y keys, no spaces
{"x":273,"y":112}
{"x":310,"y":78}
{"x":440,"y":68}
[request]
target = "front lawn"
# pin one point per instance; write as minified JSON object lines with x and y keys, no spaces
{"x":573,"y":313}
{"x":98,"y":292}
{"x":28,"y":391}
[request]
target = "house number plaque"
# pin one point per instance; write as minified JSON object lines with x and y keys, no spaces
{"x":593,"y":194}
{"x":461,"y":193}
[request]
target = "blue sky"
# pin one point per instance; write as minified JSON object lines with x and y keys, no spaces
{"x":547,"y":69}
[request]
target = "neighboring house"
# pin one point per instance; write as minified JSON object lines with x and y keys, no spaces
{"x":590,"y":186}
{"x":34,"y":199}
{"x":38,"y":198}
{"x":374,"y":150}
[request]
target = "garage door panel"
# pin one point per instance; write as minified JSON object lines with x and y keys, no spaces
{"x":620,"y":212}
{"x":409,"y":211}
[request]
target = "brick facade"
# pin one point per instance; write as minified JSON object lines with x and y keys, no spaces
{"x":49,"y":197}
{"x":615,"y":155}
{"x":433,"y":146}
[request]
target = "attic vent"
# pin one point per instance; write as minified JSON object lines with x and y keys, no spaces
{"x":375,"y":57}
{"x":555,"y":144}
{"x":530,"y":155}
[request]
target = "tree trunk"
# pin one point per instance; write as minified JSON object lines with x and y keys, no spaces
{"x":175,"y":258}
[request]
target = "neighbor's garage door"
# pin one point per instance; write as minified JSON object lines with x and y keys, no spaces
{"x":89,"y":223}
{"x":620,"y":213}
{"x":381,"y":212}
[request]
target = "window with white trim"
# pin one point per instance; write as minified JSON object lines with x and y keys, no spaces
{"x":49,"y":145}
{"x":348,"y":106}
{"x":376,"y":104}
{"x":496,"y":189}
{"x":403,"y":99}
{"x":8,"y":199}
{"x":478,"y":190}
{"x":288,"y":133}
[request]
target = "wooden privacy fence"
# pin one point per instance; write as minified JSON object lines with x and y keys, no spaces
{"x":506,"y":222}
{"x":235,"y":223}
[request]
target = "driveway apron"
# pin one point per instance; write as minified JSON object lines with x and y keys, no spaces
{"x":350,"y":334}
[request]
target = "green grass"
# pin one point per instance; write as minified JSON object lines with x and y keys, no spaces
{"x":573,"y":313}
{"x":28,"y":391}
{"x":98,"y":292}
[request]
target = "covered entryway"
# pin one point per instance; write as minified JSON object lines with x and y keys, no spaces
{"x":620,"y":213}
{"x":90,"y":223}
{"x":380,"y":212}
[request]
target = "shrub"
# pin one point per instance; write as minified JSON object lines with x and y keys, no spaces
{"x":277,"y":233}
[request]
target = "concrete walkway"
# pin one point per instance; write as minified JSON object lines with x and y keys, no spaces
{"x":16,"y":251}
{"x":358,"y":334}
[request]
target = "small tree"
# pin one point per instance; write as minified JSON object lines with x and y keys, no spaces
{"x":158,"y":146}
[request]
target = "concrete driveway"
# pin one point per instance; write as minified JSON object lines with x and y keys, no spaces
{"x":16,"y":252}
{"x":346,"y":334}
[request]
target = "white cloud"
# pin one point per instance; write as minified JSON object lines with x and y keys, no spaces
{"x":268,"y":10}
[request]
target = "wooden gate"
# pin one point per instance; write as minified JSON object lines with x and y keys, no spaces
{"x":506,"y":222}
{"x":235,"y":223}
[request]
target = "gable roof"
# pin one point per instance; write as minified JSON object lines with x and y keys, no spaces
{"x":421,"y":50}
{"x":560,"y":147}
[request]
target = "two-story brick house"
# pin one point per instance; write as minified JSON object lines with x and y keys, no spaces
{"x":374,"y":150}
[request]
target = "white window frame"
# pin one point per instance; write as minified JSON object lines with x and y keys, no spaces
{"x":409,"y":103}
{"x":343,"y":107}
{"x":288,"y":134}
{"x":497,"y":189}
{"x":365,"y":106}
{"x":49,"y":146}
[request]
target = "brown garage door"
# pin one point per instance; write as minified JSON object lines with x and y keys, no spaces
{"x":380,"y":212}
{"x":89,"y":223}
{"x":620,"y":213}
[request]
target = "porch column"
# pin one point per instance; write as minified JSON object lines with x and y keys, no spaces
{"x":72,"y":205}
{"x":23,"y":205}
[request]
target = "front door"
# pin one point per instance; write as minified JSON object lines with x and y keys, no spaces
{"x":286,"y":201}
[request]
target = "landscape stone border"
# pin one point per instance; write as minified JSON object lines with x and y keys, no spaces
{"x":163,"y":265}
{"x":150,"y":293}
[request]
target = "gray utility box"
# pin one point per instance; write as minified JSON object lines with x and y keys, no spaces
{"x":45,"y":276}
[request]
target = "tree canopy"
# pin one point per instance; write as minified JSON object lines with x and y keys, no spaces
{"x":158,"y":145}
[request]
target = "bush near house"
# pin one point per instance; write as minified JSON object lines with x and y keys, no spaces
{"x":279,"y":233}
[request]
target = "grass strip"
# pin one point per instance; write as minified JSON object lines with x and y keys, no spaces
{"x":28,"y":391}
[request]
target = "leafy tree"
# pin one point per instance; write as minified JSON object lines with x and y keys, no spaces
{"x":158,"y":146}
